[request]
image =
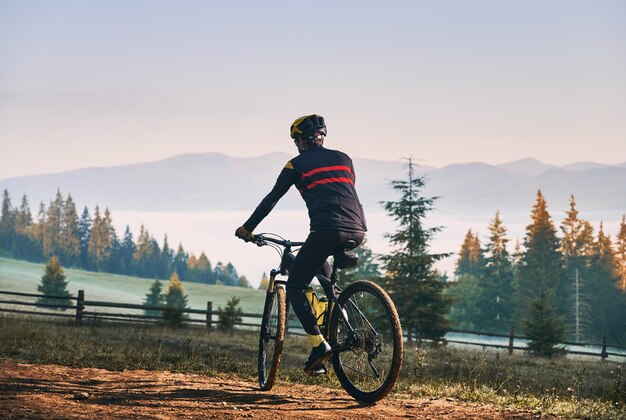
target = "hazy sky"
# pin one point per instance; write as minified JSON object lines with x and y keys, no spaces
{"x":101,"y":83}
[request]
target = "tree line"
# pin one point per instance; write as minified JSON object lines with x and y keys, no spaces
{"x":90,"y":242}
{"x":569,"y":286}
{"x":552,"y":288}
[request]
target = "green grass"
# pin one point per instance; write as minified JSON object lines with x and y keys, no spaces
{"x":21,"y":276}
{"x":562,"y":386}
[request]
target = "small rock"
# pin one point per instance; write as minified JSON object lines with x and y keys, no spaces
{"x":81,"y":396}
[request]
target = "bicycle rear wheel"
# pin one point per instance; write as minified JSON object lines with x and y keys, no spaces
{"x":272,"y":337}
{"x":367,"y":341}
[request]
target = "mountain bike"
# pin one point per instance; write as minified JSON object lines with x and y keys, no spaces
{"x":361,"y":324}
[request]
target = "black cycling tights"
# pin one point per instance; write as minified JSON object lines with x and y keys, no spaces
{"x":310,"y":259}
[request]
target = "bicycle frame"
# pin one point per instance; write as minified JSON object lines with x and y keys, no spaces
{"x":330,"y":285}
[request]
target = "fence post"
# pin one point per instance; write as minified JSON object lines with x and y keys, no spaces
{"x":80,"y":306}
{"x":209,"y":318}
{"x":511,"y":335}
{"x":603,"y":353}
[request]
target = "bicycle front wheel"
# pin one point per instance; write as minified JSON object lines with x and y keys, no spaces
{"x":366,"y":335}
{"x":272,"y":337}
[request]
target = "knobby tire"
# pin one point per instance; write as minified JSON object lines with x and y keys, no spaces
{"x":377,"y":321}
{"x":272,"y":337}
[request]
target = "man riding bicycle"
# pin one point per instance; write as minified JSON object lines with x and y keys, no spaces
{"x":325,"y":179}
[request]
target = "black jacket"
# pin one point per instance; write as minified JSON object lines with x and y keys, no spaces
{"x":325,"y":179}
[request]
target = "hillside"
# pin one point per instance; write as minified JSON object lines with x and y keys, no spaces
{"x":216,"y":182}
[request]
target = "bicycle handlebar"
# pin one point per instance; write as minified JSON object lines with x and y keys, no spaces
{"x":262,"y":239}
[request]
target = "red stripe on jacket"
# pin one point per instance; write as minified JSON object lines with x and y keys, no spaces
{"x":328,"y":181}
{"x":326,"y":169}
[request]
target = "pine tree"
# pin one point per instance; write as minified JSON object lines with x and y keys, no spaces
{"x":465,"y":314}
{"x":577,"y":248}
{"x":180,"y":262}
{"x":24,"y":242}
{"x":166,"y":260}
{"x":203,"y":267}
{"x":127,"y":250}
{"x":146,"y":256}
{"x":193,"y":274}
{"x":100,"y":240}
{"x":175,"y":301}
{"x":542,"y":327}
{"x":52,"y":241}
{"x":620,"y":254}
{"x":471,"y":258}
{"x":411,"y":279}
{"x":540,"y":264}
{"x":84,"y":232}
{"x":496,"y":301}
{"x":608,"y":302}
{"x":154,"y":297}
{"x":38,"y":233}
{"x":70,"y":240}
{"x":53,"y":284}
{"x":7,"y":222}
{"x":230,"y":315}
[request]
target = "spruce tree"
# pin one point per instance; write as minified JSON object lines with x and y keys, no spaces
{"x":577,"y":248}
{"x":496,"y":301}
{"x":23,"y":242}
{"x":204,"y":270}
{"x":154,"y":297}
{"x":127,"y":250}
{"x":540,"y":263}
{"x":412,"y":280}
{"x":193,"y":274}
{"x":542,"y":327}
{"x":230,"y":315}
{"x":146,"y":256}
{"x":464,"y":313}
{"x":52,"y":228}
{"x":166,"y":260}
{"x":175,"y":301}
{"x":471,"y":258}
{"x":38,"y":232}
{"x":608,"y":302}
{"x":84,"y":231}
{"x":70,"y":239}
{"x":7,"y":222}
{"x":53,"y":284}
{"x":100,"y":240}
{"x":180,"y":262}
{"x":620,"y":254}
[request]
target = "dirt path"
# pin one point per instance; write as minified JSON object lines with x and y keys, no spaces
{"x":51,"y":391}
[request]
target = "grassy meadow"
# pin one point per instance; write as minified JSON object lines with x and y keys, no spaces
{"x":21,"y":276}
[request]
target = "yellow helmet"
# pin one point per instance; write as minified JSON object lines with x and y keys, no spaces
{"x":307,"y":125}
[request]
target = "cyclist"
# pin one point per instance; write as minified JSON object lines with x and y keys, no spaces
{"x":325,"y":179}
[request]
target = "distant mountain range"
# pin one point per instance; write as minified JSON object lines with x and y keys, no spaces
{"x":213,"y":181}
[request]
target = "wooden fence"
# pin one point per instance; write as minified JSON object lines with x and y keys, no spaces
{"x":80,"y":305}
{"x":85,"y":310}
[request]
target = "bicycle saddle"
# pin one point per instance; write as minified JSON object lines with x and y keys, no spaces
{"x":344,"y":258}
